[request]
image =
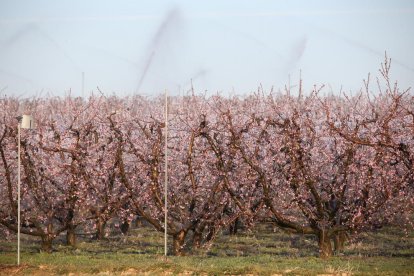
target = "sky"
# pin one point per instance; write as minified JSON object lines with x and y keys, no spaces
{"x":232,"y":47}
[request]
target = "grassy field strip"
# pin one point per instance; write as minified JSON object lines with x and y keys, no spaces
{"x":259,"y":252}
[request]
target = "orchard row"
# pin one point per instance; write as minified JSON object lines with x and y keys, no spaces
{"x":329,"y":166}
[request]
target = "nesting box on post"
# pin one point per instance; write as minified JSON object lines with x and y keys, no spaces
{"x":27,"y":122}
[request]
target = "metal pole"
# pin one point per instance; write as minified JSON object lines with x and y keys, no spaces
{"x":166,"y":175}
{"x":83,"y":84}
{"x":18,"y":193}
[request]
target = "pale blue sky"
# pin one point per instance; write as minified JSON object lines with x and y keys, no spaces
{"x":224,"y":46}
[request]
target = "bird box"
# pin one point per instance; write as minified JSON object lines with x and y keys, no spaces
{"x":27,"y":122}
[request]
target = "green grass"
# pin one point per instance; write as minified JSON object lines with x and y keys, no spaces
{"x":259,"y":252}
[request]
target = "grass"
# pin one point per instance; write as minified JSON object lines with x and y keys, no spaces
{"x":259,"y":252}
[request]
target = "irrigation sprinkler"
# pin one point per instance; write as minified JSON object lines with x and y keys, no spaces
{"x":25,"y":122}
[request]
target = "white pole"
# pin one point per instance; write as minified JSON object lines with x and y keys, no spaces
{"x":166,"y":175}
{"x":18,"y":193}
{"x":83,"y":84}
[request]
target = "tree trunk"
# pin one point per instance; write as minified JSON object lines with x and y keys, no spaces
{"x":100,"y":228}
{"x":211,"y":234}
{"x":234,"y":227}
{"x":325,"y":246}
{"x":71,"y":236}
{"x":138,"y":222}
{"x":178,"y":243}
{"x":47,"y":243}
{"x":124,"y":227}
{"x":197,"y":239}
{"x":339,"y":242}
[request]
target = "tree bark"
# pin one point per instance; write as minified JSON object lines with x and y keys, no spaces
{"x":325,"y":246}
{"x":100,"y":228}
{"x":178,"y":243}
{"x":211,"y":234}
{"x":47,"y":243}
{"x":197,"y":239}
{"x":234,"y":227}
{"x":339,"y":242}
{"x":71,"y":236}
{"x":138,"y":222}
{"x":124,"y":227}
